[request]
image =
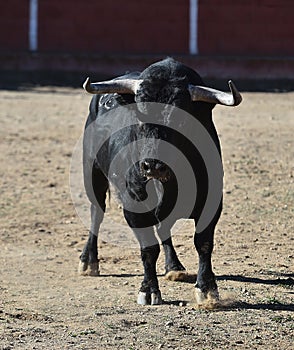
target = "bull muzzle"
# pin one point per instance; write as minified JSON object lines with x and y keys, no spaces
{"x":155,"y":169}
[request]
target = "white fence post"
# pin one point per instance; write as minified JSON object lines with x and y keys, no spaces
{"x":193,"y":35}
{"x":33,"y":25}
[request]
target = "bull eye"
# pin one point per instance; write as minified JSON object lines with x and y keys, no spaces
{"x":108,"y":104}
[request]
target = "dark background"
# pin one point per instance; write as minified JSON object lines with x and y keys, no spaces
{"x":249,"y":41}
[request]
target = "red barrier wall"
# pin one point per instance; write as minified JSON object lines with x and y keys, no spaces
{"x":225,"y":27}
{"x":14,"y":25}
{"x":251,"y":27}
{"x":133,"y":26}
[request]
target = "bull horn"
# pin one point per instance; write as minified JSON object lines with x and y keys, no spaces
{"x":206,"y":94}
{"x":119,"y":86}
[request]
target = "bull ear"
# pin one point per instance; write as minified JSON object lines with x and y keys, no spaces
{"x":119,"y":86}
{"x":206,"y":94}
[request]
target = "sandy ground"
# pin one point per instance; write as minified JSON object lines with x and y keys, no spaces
{"x":45,"y":304}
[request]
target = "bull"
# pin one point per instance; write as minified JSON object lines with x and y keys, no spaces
{"x":142,"y":109}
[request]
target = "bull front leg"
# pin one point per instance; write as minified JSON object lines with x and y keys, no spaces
{"x":149,"y":293}
{"x":206,"y":290}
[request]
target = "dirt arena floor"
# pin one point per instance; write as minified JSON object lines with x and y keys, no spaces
{"x":45,"y":304}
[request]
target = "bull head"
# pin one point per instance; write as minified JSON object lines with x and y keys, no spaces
{"x":198,"y":93}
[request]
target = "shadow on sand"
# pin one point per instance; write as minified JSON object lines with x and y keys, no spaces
{"x":230,"y":304}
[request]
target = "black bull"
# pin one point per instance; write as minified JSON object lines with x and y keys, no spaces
{"x":132,"y":121}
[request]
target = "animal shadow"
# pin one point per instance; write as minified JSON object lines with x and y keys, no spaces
{"x":269,"y":304}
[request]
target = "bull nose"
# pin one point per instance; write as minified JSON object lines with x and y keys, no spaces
{"x":146,"y":166}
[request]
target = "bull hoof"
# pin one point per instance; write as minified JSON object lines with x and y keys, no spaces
{"x":86,"y":269}
{"x":180,"y":276}
{"x":156,"y":298}
{"x":82,"y":267}
{"x":149,"y":299}
{"x":207,"y":300}
{"x":144,"y":298}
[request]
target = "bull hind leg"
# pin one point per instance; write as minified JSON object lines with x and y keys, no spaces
{"x":172,"y":262}
{"x":89,"y":263}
